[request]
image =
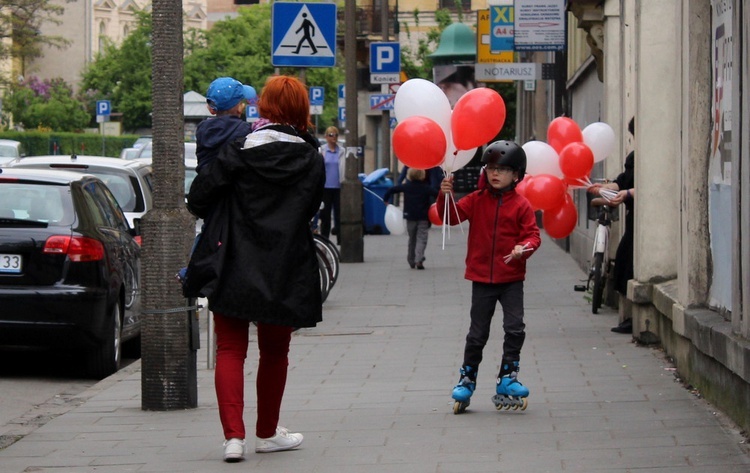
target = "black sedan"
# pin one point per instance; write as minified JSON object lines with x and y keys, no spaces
{"x":69,"y":267}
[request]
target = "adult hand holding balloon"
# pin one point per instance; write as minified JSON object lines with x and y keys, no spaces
{"x":477,"y":118}
{"x":419,"y":142}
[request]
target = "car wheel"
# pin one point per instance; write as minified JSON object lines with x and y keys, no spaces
{"x":104,"y":359}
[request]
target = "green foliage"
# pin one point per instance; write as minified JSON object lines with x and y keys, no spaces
{"x":122,"y":74}
{"x":39,"y":143}
{"x":48,"y":104}
{"x":415,"y":63}
{"x":241,"y":48}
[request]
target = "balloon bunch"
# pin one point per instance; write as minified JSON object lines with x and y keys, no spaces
{"x":564,"y":162}
{"x":430,"y":134}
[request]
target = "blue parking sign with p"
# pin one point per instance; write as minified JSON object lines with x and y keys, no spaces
{"x":385,"y":58}
{"x":103,"y":107}
{"x":316,"y":95}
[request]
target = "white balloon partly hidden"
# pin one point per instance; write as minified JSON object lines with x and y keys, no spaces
{"x":600,"y":137}
{"x":454,"y":162}
{"x":541,"y":158}
{"x":421,"y":97}
{"x":394,"y":220}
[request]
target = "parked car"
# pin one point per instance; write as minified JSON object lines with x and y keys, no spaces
{"x":141,"y":141}
{"x":130,"y":181}
{"x":190,"y":173}
{"x":10,"y":150}
{"x":69,"y":267}
{"x":129,"y":153}
{"x":146,"y":151}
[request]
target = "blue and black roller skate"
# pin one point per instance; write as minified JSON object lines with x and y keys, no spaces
{"x":510,"y":392}
{"x":467,"y":383}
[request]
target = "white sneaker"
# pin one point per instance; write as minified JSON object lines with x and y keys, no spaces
{"x":283,"y":440}
{"x":234,"y":450}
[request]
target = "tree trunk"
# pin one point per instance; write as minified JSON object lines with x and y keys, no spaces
{"x":168,"y":351}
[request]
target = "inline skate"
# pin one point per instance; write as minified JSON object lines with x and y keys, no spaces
{"x":467,"y":383}
{"x":510,"y":392}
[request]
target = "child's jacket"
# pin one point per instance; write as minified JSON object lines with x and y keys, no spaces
{"x":499,"y":222}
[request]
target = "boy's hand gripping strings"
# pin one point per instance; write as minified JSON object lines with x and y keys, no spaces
{"x":517,"y":252}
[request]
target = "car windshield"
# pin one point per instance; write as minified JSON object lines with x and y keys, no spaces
{"x":37,"y":202}
{"x":147,"y":151}
{"x":7,"y":151}
{"x":123,"y":187}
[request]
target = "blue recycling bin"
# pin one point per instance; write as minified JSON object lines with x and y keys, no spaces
{"x":374,"y":186}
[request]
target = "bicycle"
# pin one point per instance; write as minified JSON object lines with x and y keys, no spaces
{"x":601,"y":263}
{"x":328,"y":263}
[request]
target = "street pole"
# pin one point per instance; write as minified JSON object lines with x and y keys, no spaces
{"x":351,"y":231}
{"x":385,"y":121}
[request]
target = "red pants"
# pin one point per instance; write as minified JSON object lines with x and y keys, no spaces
{"x":229,"y":377}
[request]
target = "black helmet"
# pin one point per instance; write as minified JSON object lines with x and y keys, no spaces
{"x":506,"y":153}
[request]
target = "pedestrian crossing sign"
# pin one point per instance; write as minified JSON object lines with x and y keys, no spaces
{"x":303,"y":34}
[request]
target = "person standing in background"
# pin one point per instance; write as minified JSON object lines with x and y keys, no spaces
{"x":267,"y":188}
{"x":335,"y":163}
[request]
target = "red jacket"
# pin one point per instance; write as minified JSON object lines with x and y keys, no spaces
{"x":498,"y":222}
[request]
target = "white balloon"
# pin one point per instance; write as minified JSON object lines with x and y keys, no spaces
{"x":394,"y":220}
{"x":421,"y":97}
{"x":454,"y":162}
{"x":600,"y":137}
{"x":541,"y":158}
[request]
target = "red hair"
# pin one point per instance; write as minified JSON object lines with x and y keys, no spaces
{"x":285,"y":100}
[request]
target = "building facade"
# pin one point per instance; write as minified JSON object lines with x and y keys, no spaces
{"x":680,"y":68}
{"x":88,"y":25}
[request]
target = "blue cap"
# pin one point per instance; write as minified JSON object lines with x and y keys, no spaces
{"x":225,"y":92}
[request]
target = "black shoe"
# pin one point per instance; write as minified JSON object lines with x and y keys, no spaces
{"x":626,"y":326}
{"x":420,"y":266}
{"x":412,"y":265}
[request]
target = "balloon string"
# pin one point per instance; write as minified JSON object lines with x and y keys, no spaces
{"x":373,"y":193}
{"x":445,"y":218}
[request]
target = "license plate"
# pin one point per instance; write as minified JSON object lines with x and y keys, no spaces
{"x":10,"y":263}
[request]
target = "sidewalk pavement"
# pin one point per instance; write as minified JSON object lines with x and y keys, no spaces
{"x":370,"y":390}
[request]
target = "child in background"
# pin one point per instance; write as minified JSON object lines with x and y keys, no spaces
{"x":226,"y":98}
{"x":502,"y":235}
{"x":418,"y":196}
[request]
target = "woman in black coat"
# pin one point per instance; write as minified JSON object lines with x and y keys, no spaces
{"x":261,"y":193}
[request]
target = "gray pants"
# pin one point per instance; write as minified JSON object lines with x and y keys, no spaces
{"x":484,"y":299}
{"x":418,"y":231}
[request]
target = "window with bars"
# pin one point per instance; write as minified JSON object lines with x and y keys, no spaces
{"x":454,"y":4}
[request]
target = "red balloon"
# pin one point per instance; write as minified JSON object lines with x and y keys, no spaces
{"x":545,"y":191}
{"x":576,"y":160}
{"x":419,"y":142}
{"x":477,"y":118}
{"x":561,"y":221}
{"x":521,"y":186}
{"x":563,"y":131}
{"x":434,"y":215}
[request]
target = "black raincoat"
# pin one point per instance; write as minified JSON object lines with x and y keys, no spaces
{"x":258,"y":203}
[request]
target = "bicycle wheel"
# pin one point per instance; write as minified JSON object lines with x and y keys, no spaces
{"x":598,"y":277}
{"x":329,"y":251}
{"x":325,"y":280}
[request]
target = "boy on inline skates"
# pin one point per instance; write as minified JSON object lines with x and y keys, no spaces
{"x":502,"y":235}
